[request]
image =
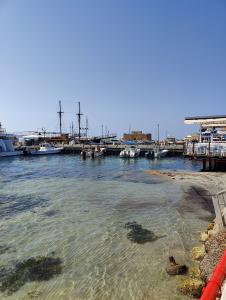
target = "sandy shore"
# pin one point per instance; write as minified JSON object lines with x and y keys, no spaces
{"x":198,"y":189}
{"x":212,"y":181}
{"x":203,"y":184}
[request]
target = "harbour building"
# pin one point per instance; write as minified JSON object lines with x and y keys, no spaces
{"x":137,"y":136}
{"x":211,"y":144}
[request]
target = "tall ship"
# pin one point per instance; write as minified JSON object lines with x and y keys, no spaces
{"x":6,"y":144}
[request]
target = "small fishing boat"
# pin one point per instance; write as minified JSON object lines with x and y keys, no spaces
{"x":160,"y":153}
{"x":157,"y":152}
{"x":130,"y":152}
{"x":46,"y":149}
{"x":97,"y":152}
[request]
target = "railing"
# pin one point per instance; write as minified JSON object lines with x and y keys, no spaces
{"x":206,"y":149}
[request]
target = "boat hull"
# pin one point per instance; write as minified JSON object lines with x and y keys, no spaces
{"x":129,"y":154}
{"x":53,"y":151}
{"x":161,"y":154}
{"x":11,"y":153}
{"x":95,"y":154}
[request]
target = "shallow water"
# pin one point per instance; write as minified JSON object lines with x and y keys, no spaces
{"x":78,"y":210}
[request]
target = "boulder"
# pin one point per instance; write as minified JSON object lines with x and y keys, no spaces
{"x":195,"y":272}
{"x":175,"y":269}
{"x":192,"y":287}
{"x":210,"y":226}
{"x":204,"y":236}
{"x":198,"y":252}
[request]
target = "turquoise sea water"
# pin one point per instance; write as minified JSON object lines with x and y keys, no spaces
{"x":76,"y":210}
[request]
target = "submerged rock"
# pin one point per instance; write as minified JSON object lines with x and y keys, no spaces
{"x":140,"y":235}
{"x":33,"y":269}
{"x":175,"y":269}
{"x":132,"y":225}
{"x":192,"y":287}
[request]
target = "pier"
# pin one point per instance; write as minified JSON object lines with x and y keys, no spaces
{"x":211,"y":145}
{"x":212,"y":155}
{"x":174,"y":150}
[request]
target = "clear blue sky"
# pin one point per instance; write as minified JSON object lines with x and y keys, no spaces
{"x":130,"y":63}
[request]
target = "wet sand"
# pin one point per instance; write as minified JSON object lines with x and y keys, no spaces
{"x":213,"y":182}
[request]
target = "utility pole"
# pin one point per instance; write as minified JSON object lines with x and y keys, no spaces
{"x":60,"y":113}
{"x":79,"y":114}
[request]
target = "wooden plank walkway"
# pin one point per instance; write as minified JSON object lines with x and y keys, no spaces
{"x":219,"y":203}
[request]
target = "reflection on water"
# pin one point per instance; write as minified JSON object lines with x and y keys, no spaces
{"x":78,"y":209}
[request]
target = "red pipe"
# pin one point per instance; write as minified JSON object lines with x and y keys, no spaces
{"x":213,"y":288}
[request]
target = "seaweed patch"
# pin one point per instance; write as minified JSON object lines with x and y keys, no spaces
{"x":13,"y":204}
{"x":51,"y":213}
{"x":33,"y":269}
{"x":140,"y":235}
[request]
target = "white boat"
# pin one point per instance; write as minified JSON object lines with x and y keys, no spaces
{"x":46,"y":149}
{"x":130,"y":152}
{"x":157,"y":152}
{"x":160,"y":153}
{"x":6,"y":145}
{"x":98,"y":152}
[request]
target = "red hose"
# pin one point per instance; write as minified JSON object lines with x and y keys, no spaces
{"x":212,"y":290}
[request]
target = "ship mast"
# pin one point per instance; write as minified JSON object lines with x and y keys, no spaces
{"x":158,"y":139}
{"x":60,"y":113}
{"x":87,"y":126}
{"x":72,"y":129}
{"x":79,"y":114}
{"x":158,"y":133}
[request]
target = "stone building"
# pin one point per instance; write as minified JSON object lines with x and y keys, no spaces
{"x":137,"y":136}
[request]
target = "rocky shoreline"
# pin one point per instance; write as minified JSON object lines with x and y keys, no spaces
{"x":207,"y":254}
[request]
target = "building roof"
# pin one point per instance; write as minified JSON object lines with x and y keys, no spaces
{"x":206,"y":117}
{"x":207,"y":121}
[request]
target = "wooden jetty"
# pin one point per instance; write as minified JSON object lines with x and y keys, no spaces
{"x":219,"y":202}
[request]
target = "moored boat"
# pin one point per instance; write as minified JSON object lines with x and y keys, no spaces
{"x":160,"y":153}
{"x":46,"y":149}
{"x":130,"y":152}
{"x":96,"y":152}
{"x":149,"y":154}
{"x":6,"y":145}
